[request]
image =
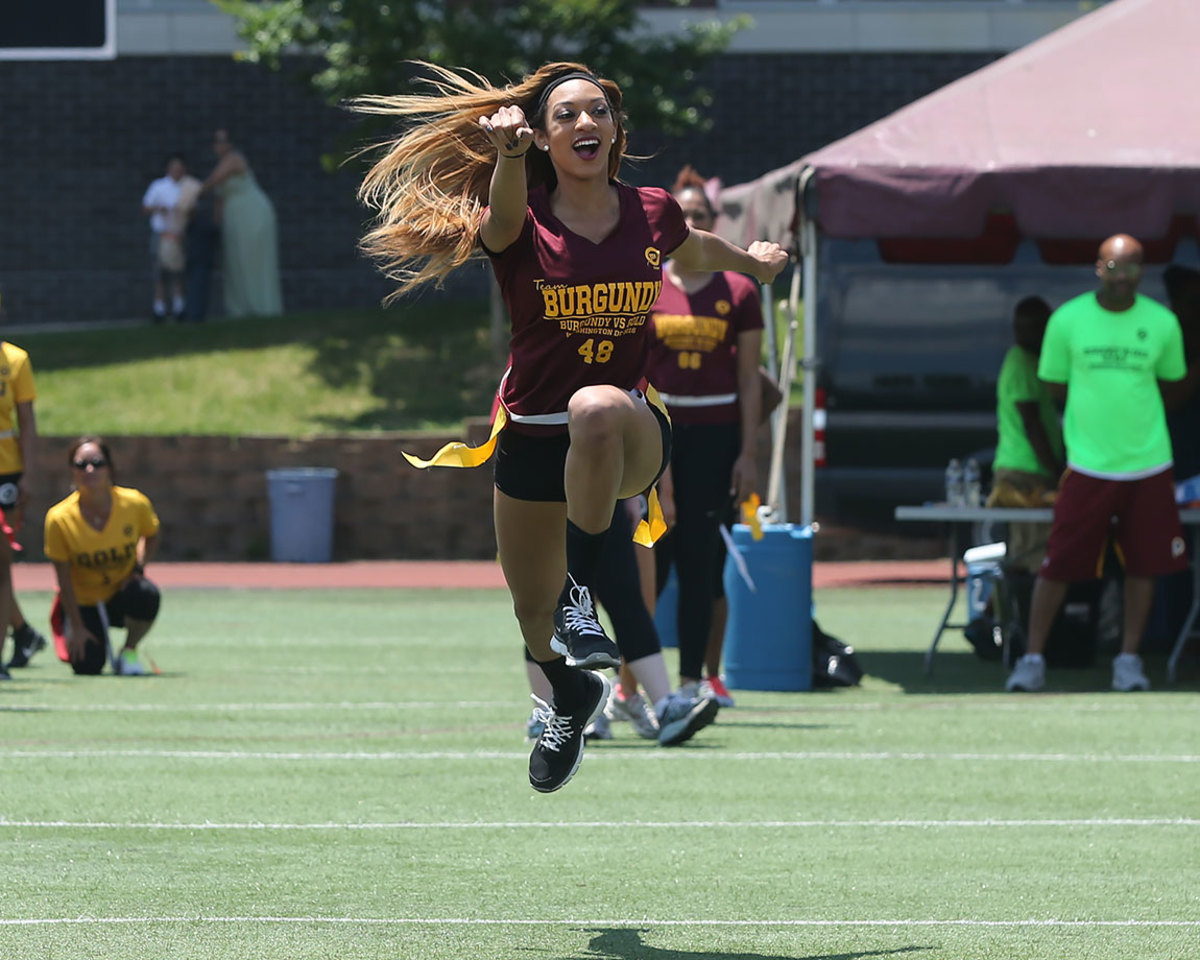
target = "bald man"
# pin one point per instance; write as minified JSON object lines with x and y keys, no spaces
{"x":1110,"y":352}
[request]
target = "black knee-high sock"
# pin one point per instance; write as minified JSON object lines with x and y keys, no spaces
{"x":583,"y":557}
{"x":570,"y":685}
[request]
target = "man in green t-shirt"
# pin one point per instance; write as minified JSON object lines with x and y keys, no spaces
{"x":1111,"y":353}
{"x":1029,"y":449}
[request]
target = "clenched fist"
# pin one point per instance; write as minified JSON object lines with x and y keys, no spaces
{"x":509,"y":132}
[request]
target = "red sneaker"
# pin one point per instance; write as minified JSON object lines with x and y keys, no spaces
{"x":715,"y":688}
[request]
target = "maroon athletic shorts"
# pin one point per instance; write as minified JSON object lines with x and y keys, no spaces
{"x":1148,"y":532}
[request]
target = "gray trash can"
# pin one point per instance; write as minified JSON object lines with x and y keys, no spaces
{"x":301,"y":514}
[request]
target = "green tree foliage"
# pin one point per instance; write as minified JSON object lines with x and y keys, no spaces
{"x":366,"y":46}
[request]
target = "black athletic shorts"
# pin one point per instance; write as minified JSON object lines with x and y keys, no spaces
{"x":531,"y":468}
{"x":138,"y":600}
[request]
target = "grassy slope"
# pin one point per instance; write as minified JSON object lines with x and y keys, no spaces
{"x":402,"y":714}
{"x":413,"y":366}
{"x":410,"y":367}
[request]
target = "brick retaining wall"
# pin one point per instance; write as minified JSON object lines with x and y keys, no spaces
{"x":211,"y":495}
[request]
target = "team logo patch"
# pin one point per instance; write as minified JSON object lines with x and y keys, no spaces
{"x":723,"y":307}
{"x":128,"y":531}
{"x":4,"y":371}
{"x":1177,"y":548}
{"x":9,"y":495}
{"x":653,"y":256}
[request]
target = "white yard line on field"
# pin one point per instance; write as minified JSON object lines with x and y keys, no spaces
{"x":987,"y":822}
{"x":587,"y":923}
{"x":600,"y":755}
{"x":346,"y":705}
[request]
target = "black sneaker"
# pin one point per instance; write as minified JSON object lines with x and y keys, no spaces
{"x":26,"y":642}
{"x":559,"y":750}
{"x":578,"y":635}
{"x":4,"y":674}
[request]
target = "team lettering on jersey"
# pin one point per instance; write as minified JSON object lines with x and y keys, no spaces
{"x":687,"y":332}
{"x":103,"y":559}
{"x":599,"y":309}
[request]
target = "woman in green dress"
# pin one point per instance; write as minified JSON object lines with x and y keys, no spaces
{"x":249,"y":241}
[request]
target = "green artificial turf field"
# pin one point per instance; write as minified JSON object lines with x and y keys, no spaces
{"x":341,"y":775}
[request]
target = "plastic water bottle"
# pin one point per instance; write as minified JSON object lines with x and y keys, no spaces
{"x":972,"y":495}
{"x":954,"y":484}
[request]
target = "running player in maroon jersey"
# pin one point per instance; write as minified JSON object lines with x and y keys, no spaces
{"x":706,"y":342}
{"x":528,"y":173}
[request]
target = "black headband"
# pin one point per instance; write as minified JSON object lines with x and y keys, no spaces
{"x":544,"y":96}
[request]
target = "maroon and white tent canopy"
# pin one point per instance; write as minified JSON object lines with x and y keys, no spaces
{"x":1091,"y":130}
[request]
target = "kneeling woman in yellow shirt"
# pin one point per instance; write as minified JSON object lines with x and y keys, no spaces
{"x":100,"y":538}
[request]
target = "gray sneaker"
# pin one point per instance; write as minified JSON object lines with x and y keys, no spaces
{"x":129,"y":664}
{"x":683,"y":717}
{"x":598,"y":729}
{"x":1029,"y":674}
{"x":1128,"y":674}
{"x":635,"y":710}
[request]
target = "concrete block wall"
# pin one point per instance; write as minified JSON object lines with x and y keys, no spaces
{"x":80,"y":141}
{"x":211,"y":493}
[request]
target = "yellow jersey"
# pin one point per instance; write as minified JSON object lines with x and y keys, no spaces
{"x":16,"y":386}
{"x":99,"y":559}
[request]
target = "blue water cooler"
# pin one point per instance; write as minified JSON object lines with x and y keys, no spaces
{"x":666,"y":613}
{"x":768,"y":640}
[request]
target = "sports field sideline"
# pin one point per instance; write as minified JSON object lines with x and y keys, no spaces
{"x":339,"y":774}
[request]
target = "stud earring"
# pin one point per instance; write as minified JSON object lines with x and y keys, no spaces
{"x":545,"y":146}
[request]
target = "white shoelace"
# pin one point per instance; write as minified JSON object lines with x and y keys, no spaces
{"x":557,"y":730}
{"x":580,"y":614}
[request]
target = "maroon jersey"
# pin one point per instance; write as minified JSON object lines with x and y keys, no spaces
{"x":579,"y":308}
{"x":693,"y":348}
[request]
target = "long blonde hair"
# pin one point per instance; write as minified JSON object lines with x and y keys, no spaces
{"x":431,"y":185}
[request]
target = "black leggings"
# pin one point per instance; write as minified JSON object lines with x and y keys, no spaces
{"x":137,"y":600}
{"x":619,"y":591}
{"x":702,"y":459}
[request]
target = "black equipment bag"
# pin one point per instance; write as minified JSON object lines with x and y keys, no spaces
{"x":1074,"y":634}
{"x":833,"y":662}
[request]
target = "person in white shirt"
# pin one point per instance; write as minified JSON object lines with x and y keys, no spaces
{"x":163,"y":204}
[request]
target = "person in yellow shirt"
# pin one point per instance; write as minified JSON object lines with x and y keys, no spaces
{"x":100,"y":539}
{"x":18,"y":433}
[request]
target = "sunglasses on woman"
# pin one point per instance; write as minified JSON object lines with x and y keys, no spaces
{"x":96,"y":462}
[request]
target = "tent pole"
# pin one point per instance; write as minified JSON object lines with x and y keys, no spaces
{"x":768,"y":312}
{"x":807,"y":480}
{"x":777,"y":481}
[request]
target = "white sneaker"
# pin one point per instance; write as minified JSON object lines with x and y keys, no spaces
{"x":1028,"y":675}
{"x":1128,"y":674}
